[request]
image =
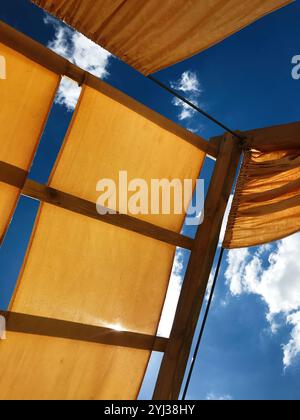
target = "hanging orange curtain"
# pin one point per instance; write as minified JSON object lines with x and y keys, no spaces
{"x":154,"y":34}
{"x":26,"y":96}
{"x":266,"y":205}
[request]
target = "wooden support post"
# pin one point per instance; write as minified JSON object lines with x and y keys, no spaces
{"x":176,"y":356}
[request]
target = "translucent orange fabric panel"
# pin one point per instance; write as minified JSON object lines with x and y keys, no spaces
{"x":107,"y":137}
{"x":26,"y":96}
{"x":39,"y":368}
{"x":8,"y":198}
{"x":151,"y":35}
{"x":83,"y":270}
{"x":266,"y":205}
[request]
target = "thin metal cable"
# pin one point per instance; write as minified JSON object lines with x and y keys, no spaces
{"x":196,"y":351}
{"x":196,"y":108}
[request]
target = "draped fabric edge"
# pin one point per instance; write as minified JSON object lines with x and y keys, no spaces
{"x":232,"y":219}
{"x":213,"y":44}
{"x":235,"y":203}
{"x":68,"y":20}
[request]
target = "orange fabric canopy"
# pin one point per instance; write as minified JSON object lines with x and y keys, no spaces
{"x":151,"y":35}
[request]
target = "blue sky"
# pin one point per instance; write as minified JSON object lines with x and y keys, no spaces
{"x":246,"y":82}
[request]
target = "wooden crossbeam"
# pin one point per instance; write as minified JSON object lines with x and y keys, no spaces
{"x":15,"y":176}
{"x":54,"y":62}
{"x":176,"y":356}
{"x":12,"y":175}
{"x":267,"y":139}
{"x":87,"y":208}
{"x":48,"y":327}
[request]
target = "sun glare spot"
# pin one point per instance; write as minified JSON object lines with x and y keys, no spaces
{"x":116,"y":327}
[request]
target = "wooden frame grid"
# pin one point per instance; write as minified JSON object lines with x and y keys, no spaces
{"x":225,"y":150}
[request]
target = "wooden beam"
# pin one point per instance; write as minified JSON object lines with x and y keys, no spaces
{"x":52,"y":61}
{"x":48,"y":327}
{"x":12,"y":175}
{"x":176,"y":356}
{"x":270,"y":139}
{"x":87,"y":208}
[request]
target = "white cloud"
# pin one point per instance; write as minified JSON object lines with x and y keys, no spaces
{"x":210,"y":284}
{"x":291,"y":350}
{"x":185,"y":111}
{"x":190,"y":85}
{"x":81,"y":51}
{"x":214,"y":397}
{"x":68,"y":94}
{"x":237,"y":261}
{"x":173,"y":294}
{"x":273,"y":273}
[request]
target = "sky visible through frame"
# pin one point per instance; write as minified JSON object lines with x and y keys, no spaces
{"x":252,"y":342}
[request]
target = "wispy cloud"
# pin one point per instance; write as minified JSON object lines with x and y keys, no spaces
{"x":189,"y":85}
{"x":210,"y":285}
{"x":78,"y":49}
{"x":273,"y":273}
{"x":215,"y":397}
{"x":185,"y":111}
